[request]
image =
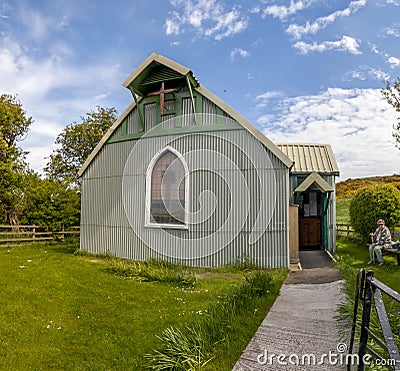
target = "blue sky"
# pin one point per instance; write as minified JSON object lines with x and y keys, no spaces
{"x":300,"y":70}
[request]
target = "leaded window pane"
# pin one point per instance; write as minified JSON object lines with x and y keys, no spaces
{"x":168,"y":190}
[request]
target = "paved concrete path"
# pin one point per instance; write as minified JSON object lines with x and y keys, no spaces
{"x":300,"y":325}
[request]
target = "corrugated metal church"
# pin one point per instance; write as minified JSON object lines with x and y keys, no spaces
{"x":181,"y":176}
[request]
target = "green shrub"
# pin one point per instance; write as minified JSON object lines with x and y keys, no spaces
{"x":373,"y":203}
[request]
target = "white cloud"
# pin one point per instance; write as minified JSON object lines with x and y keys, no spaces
{"x":364,"y":72}
{"x":394,"y":62}
{"x":357,"y":75}
{"x":378,"y":74}
{"x":36,"y":24}
{"x":38,"y":84}
{"x":4,"y":10}
{"x":393,"y":30}
{"x":63,"y":23}
{"x":238,"y":51}
{"x":208,"y":17}
{"x":374,"y":49}
{"x":283,"y":12}
{"x":265,"y":120}
{"x":39,"y":156}
{"x":227,"y":24}
{"x":255,"y":10}
{"x":312,"y":28}
{"x":389,"y":2}
{"x":264,"y":98}
{"x":347,"y":44}
{"x":356,"y":122}
{"x":172,"y":25}
{"x":257,"y":43}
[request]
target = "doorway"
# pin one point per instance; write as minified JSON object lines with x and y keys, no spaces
{"x":310,"y":220}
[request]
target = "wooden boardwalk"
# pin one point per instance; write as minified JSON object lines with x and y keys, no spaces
{"x":300,"y":327}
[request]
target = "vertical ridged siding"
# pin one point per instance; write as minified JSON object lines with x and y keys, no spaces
{"x":108,"y":225}
{"x":118,"y":132}
{"x":132,"y":122}
{"x":167,"y":120}
{"x":149,"y":115}
{"x":210,"y":110}
{"x":187,"y":112}
{"x":209,"y":116}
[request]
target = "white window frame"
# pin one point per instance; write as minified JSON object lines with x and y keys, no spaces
{"x":149,"y":173}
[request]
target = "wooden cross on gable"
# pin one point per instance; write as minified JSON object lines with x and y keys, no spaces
{"x":161,"y":93}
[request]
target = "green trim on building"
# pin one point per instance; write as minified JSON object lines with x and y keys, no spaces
{"x":197,"y":102}
{"x":325,"y":203}
{"x":175,"y":131}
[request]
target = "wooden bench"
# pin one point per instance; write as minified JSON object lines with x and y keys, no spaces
{"x":395,"y":250}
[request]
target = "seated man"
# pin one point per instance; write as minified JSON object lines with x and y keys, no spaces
{"x":381,"y":240}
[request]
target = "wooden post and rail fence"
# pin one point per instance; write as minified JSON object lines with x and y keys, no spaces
{"x":347,"y":231}
{"x":10,"y":234}
{"x":31,"y":233}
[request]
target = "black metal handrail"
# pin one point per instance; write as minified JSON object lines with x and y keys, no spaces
{"x":369,"y":291}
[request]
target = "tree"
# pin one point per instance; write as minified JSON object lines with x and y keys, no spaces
{"x":50,"y":203}
{"x":13,"y":186}
{"x":392,"y":96}
{"x":76,"y":142}
{"x":372,"y":203}
{"x":14,"y":125}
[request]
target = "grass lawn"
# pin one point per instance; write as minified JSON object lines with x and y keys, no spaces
{"x":63,"y":311}
{"x":354,"y":254}
{"x":342,"y":210}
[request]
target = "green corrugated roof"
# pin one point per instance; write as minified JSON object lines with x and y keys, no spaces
{"x":310,"y":157}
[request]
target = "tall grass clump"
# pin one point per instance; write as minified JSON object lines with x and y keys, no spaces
{"x":346,"y":307}
{"x":244,"y":263}
{"x":193,"y":347}
{"x":152,"y":270}
{"x":181,"y":350}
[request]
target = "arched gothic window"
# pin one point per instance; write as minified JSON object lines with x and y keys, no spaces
{"x":166,"y":188}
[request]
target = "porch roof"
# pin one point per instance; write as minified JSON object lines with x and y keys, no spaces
{"x":314,"y":178}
